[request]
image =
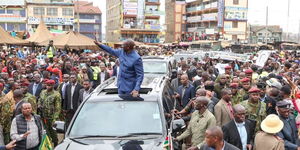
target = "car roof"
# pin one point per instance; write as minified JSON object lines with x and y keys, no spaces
{"x":156,"y":58}
{"x":95,"y":97}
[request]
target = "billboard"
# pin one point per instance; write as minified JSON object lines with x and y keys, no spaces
{"x":51,"y":21}
{"x":221,"y":7}
{"x":236,"y":13}
{"x":130,"y":7}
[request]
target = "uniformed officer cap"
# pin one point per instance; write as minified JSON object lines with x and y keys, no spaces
{"x":283,"y":104}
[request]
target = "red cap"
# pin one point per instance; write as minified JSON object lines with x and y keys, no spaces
{"x":25,"y":84}
{"x":234,"y":85}
{"x":51,"y":82}
{"x":228,"y":67}
{"x":45,"y":80}
{"x":49,"y":69}
{"x":1,"y":85}
{"x":254,"y":90}
{"x":55,"y":70}
{"x":4,"y":69}
{"x":248,"y":71}
{"x":245,"y":80}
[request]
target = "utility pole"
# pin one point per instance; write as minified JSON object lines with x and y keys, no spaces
{"x":288,"y":19}
{"x":267,"y":22}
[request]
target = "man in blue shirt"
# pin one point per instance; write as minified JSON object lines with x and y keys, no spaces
{"x":131,"y":71}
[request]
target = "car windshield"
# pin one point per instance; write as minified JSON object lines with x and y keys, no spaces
{"x":118,"y":118}
{"x":155,"y":67}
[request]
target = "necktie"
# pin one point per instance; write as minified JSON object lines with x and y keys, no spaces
{"x":230,"y":110}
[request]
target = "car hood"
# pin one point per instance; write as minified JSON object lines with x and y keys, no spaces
{"x":100,"y":144}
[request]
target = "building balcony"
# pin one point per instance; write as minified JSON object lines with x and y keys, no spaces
{"x":152,"y":2}
{"x":203,"y":8}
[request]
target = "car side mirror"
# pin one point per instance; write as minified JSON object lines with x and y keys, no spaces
{"x":59,"y":126}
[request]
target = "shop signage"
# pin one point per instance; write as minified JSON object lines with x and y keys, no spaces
{"x":51,"y":21}
{"x":11,"y":18}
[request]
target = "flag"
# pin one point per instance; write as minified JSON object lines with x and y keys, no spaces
{"x":46,"y":143}
{"x":168,"y":143}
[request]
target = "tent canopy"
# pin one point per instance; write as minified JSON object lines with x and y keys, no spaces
{"x":41,"y":34}
{"x":73,"y":40}
{"x":5,"y":38}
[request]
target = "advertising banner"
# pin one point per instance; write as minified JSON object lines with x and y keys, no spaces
{"x":236,"y":13}
{"x":221,"y":5}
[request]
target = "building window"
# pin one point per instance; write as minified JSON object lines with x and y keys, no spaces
{"x":55,"y":27}
{"x":235,"y":2}
{"x":260,"y":34}
{"x":235,"y":24}
{"x":52,"y":11}
{"x":67,"y":28}
{"x":234,"y":37}
{"x":67,"y":12}
{"x":39,"y":11}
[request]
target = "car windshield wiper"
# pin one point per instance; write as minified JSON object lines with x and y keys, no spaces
{"x":140,"y":133}
{"x":93,"y":136}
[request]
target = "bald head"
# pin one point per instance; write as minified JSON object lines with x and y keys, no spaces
{"x":215,"y":132}
{"x":201,"y":92}
{"x":18,"y":94}
{"x":238,"y":108}
{"x":128,"y":46}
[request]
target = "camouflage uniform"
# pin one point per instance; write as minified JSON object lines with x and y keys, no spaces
{"x":32,"y":100}
{"x":236,"y":99}
{"x":218,"y":88}
{"x":5,"y":118}
{"x":242,"y":94}
{"x":255,"y":112}
{"x":50,"y":108}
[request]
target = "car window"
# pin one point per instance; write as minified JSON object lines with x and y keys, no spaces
{"x":155,"y":67}
{"x":117,"y":118}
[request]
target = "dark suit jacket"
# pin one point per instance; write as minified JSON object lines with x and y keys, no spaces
{"x":106,"y":76}
{"x":227,"y":147}
{"x":67,"y":101}
{"x":232,"y":136}
{"x":187,"y":95}
{"x":18,"y":109}
{"x":80,"y":100}
{"x":38,"y":90}
{"x":290,"y":137}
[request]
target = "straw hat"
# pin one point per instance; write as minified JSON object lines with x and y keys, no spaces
{"x":271,"y":124}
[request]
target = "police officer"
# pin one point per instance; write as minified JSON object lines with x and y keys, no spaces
{"x":49,"y":106}
{"x":267,"y":139}
{"x":256,"y":110}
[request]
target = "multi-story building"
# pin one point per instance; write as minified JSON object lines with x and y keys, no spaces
{"x":265,"y":34}
{"x":141,"y":20}
{"x":89,"y":19}
{"x":211,"y":19}
{"x":174,"y":20}
{"x":57,"y":14}
{"x":13,"y":15}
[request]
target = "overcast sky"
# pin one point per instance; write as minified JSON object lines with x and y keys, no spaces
{"x":256,"y":14}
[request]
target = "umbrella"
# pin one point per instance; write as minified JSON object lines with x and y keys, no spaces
{"x":73,"y":40}
{"x":5,"y":38}
{"x":41,"y":34}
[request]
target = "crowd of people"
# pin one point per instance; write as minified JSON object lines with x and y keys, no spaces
{"x":256,"y":107}
{"x":235,"y":109}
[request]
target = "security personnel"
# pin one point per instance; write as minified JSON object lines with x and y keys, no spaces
{"x":235,"y":99}
{"x":256,"y":110}
{"x":49,"y":106}
{"x":246,"y":85}
{"x":29,"y":97}
{"x":267,"y":139}
{"x":51,"y":50}
{"x":96,"y":70}
{"x":6,"y":118}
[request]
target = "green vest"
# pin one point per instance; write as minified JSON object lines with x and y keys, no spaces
{"x":96,"y":71}
{"x":50,"y":53}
